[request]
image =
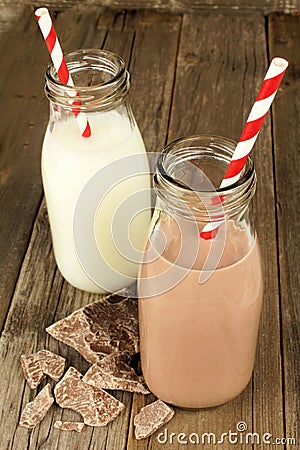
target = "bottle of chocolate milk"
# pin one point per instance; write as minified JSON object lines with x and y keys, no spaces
{"x":200,"y":299}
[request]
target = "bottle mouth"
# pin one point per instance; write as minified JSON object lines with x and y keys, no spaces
{"x":190,"y":170}
{"x":100,"y":80}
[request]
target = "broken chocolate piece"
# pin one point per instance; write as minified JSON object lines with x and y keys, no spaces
{"x":32,"y":370}
{"x":105,"y":327}
{"x":151,"y":418}
{"x":42,"y":363}
{"x":96,"y":406}
{"x":113,"y":372}
{"x":36,"y":410}
{"x":69,"y":426}
{"x":53,"y":365}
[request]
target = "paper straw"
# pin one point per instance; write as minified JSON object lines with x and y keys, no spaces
{"x":52,"y":42}
{"x":250,"y":132}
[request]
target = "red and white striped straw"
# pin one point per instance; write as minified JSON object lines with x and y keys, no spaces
{"x":52,"y":42}
{"x":250,"y":132}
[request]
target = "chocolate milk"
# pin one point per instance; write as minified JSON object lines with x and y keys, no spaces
{"x":198,"y":340}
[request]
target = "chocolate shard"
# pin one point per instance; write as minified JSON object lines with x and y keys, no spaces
{"x":151,"y":418}
{"x":113,"y":372}
{"x":36,"y":410}
{"x":69,"y":426}
{"x":53,"y":365}
{"x":102,"y":328}
{"x":42,"y":363}
{"x":32,"y":370}
{"x":96,"y":406}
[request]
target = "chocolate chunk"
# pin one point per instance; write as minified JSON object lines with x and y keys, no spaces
{"x":42,"y":363}
{"x":151,"y":418}
{"x":113,"y":372}
{"x":36,"y":410}
{"x":32,"y":370}
{"x":53,"y":365}
{"x":105,"y":327}
{"x":96,"y":406}
{"x":69,"y":426}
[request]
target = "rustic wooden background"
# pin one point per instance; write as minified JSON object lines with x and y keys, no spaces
{"x":172,"y":5}
{"x":191,"y":73}
{"x":12,"y":8}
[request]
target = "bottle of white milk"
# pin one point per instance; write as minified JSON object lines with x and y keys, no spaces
{"x":97,"y":188}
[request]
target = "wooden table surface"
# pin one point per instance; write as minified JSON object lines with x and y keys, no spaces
{"x":191,"y":73}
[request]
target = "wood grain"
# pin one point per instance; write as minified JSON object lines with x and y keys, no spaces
{"x":31,"y":309}
{"x":221,"y":64}
{"x":196,"y":73}
{"x":153,"y":70}
{"x":263,"y":6}
{"x":20,"y":184}
{"x":284,"y":36}
{"x":41,"y":296}
{"x":10,"y":16}
{"x":21,"y":133}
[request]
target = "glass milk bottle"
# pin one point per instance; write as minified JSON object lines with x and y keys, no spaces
{"x":97,"y":187}
{"x":200,"y":299}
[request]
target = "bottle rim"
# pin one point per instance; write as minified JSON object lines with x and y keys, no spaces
{"x":235,"y":197}
{"x":100,"y":95}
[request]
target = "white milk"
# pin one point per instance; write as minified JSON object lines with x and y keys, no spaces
{"x":69,"y":162}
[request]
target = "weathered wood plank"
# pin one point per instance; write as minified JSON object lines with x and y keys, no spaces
{"x":221,"y":63}
{"x":284,"y":38}
{"x":10,"y":16}
{"x":152,"y":67}
{"x":35,"y":338}
{"x":23,"y":333}
{"x":263,"y":6}
{"x":20,"y":185}
{"x":21,"y":134}
{"x":41,"y":297}
{"x":117,"y":39}
{"x":216,"y":67}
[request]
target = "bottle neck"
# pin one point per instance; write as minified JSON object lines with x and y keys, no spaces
{"x":101,"y":82}
{"x":189,"y":172}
